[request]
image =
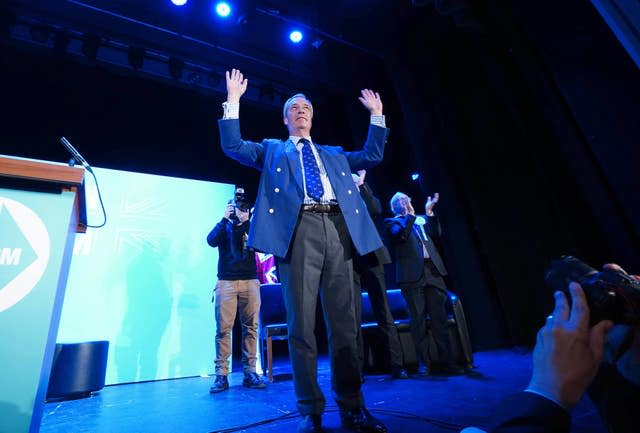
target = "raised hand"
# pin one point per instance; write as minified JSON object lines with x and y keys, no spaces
{"x":371,"y":101}
{"x":236,"y":85}
{"x":431,"y":202}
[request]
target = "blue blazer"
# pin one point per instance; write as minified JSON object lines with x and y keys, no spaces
{"x":281,"y":190}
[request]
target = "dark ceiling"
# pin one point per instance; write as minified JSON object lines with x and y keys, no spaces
{"x":254,"y":37}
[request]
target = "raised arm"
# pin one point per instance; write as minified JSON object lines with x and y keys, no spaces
{"x":245,"y":152}
{"x":218,"y":233}
{"x":373,"y":149}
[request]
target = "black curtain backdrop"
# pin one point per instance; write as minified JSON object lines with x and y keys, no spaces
{"x":523,"y":115}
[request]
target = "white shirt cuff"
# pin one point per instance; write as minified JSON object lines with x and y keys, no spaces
{"x":378,"y":120}
{"x":231,"y":110}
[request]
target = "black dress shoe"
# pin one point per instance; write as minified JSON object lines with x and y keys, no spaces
{"x":361,"y":421}
{"x":310,"y":424}
{"x":399,"y":373}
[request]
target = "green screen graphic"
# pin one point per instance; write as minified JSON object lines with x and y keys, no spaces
{"x":144,"y":281}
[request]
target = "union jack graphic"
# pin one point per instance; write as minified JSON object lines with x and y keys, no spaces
{"x":266,"y":264}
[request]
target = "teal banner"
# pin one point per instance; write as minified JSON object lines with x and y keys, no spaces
{"x":35,"y":248}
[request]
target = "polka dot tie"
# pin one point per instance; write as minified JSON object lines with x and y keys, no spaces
{"x":311,"y":171}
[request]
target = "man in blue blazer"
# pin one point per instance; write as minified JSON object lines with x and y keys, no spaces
{"x":308,"y":213}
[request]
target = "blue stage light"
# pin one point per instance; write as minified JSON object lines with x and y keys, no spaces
{"x":223,"y":9}
{"x":295,"y":36}
{"x":415,"y":176}
{"x":179,"y":2}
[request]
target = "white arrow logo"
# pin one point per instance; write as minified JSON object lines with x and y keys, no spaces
{"x":35,"y":233}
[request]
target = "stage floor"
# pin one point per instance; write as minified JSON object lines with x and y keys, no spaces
{"x":431,"y":404}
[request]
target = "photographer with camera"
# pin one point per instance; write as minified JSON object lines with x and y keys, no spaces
{"x":237,"y":290}
{"x":573,"y":354}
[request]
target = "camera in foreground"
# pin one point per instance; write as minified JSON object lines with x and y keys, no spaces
{"x":610,"y":294}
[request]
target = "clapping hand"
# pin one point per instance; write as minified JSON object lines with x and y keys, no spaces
{"x":431,"y":202}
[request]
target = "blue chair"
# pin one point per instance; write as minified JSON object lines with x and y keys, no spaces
{"x":456,"y":324}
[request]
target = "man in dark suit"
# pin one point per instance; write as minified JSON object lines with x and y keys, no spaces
{"x":369,"y":273}
{"x":309,"y":214}
{"x":419,"y":272}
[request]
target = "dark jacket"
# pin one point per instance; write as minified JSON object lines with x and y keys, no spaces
{"x":235,"y":260}
{"x":380,"y":256}
{"x":407,"y":248}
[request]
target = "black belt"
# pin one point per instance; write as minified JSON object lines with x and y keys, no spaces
{"x":321,"y":208}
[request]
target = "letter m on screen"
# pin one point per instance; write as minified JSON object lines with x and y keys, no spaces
{"x":10,"y":256}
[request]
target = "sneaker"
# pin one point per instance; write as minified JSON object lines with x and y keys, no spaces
{"x":219,"y":385}
{"x":252,"y":380}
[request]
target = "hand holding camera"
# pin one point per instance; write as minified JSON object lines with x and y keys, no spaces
{"x":229,"y":211}
{"x":611,"y":293}
{"x":238,"y":209}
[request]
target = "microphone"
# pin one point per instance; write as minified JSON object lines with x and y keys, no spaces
{"x":76,"y":155}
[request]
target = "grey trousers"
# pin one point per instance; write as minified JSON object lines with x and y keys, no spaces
{"x":320,"y":261}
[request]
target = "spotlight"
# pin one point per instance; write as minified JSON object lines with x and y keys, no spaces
{"x":176,"y":67}
{"x":135,"y":56}
{"x":295,"y":36}
{"x":223,"y":9}
{"x":90,"y":45}
{"x":179,"y":2}
{"x":415,"y":176}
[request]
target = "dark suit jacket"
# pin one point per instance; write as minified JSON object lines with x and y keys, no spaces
{"x":380,"y":256}
{"x":526,"y":412}
{"x":281,"y":189}
{"x":407,"y":248}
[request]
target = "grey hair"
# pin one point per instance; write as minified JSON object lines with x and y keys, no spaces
{"x":290,"y":101}
{"x":394,"y":201}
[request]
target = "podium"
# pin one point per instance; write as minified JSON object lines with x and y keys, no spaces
{"x":41,"y":208}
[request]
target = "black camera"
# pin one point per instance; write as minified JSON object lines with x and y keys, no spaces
{"x":239,"y":202}
{"x":610,"y":294}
